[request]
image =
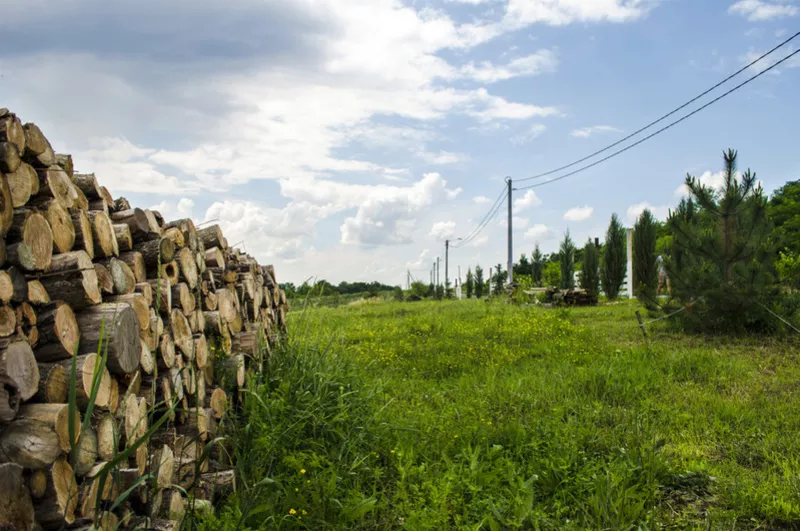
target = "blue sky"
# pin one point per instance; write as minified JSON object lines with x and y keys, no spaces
{"x":346,"y":139}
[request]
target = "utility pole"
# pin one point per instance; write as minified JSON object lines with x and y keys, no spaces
{"x":510,"y":242}
{"x":438,"y":272}
{"x":446,"y":265}
{"x":490,"y":283}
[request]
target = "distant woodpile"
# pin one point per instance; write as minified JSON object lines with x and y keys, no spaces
{"x":181,"y":317}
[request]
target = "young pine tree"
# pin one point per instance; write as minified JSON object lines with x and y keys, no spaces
{"x":722,"y":257}
{"x":537,"y":266}
{"x":499,"y":280}
{"x":567,"y":261}
{"x":470,"y":283}
{"x":613,"y":267}
{"x":645,"y":269}
{"x":590,"y":269}
{"x":478,"y":281}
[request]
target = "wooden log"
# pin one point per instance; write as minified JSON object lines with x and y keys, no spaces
{"x":18,"y":363}
{"x":33,"y":242}
{"x":175,"y":235}
{"x":145,"y":290}
{"x":59,"y":333}
{"x":72,"y":279}
{"x":229,"y":275}
{"x":7,"y":287}
{"x":123,"y":235}
{"x":121,"y":275}
{"x":166,"y":352}
{"x":162,"y":463}
{"x":26,"y":323}
{"x":136,"y":263}
{"x":85,"y":366}
{"x":217,"y":402}
{"x":155,"y":227}
{"x":87,"y":183}
{"x":61,"y":223}
{"x":22,"y":183}
{"x":11,"y":129}
{"x":65,"y":162}
{"x":210,"y":301}
{"x":136,"y":220}
{"x":188,"y":267}
{"x":8,"y":321}
{"x":234,"y":371}
{"x":53,"y":384}
{"x":139,"y":305}
{"x":37,"y":295}
{"x":245,"y":343}
{"x":182,"y":295}
{"x":113,"y":396}
{"x":182,"y":333}
{"x":147,"y":361}
{"x":226,"y":305}
{"x":6,"y":206}
{"x":60,"y":500}
{"x":211,"y":236}
{"x":103,"y":236}
{"x":10,"y":159}
{"x":54,"y":182}
{"x":104,"y":280}
{"x":29,"y":443}
{"x":117,"y":326}
{"x":213,"y":486}
{"x":131,"y":420}
{"x":16,"y":507}
{"x":84,"y":239}
{"x":56,"y":416}
{"x":170,"y":271}
{"x":120,"y":204}
{"x":9,"y":399}
{"x":107,"y":436}
{"x":162,"y":295}
{"x":37,"y":148}
{"x":174,"y":507}
{"x":155,"y":252}
{"x":201,"y":355}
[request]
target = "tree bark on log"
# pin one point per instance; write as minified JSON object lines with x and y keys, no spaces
{"x":118,"y":328}
{"x":156,"y":251}
{"x":16,"y":507}
{"x":170,"y":271}
{"x":56,"y":416}
{"x":59,"y":333}
{"x":139,"y":305}
{"x":6,"y":206}
{"x":65,"y":162}
{"x":136,"y":263}
{"x":85,"y":366}
{"x":182,"y":295}
{"x":162,"y":295}
{"x":29,"y":443}
{"x":72,"y":279}
{"x":8,"y":321}
{"x":30,"y":243}
{"x":54,"y":182}
{"x":136,"y":220}
{"x":211,"y":236}
{"x":84,"y":239}
{"x":18,"y":363}
{"x":103,"y":235}
{"x":245,"y":343}
{"x":37,"y":148}
{"x":121,"y":275}
{"x":104,"y":280}
{"x":87,"y":183}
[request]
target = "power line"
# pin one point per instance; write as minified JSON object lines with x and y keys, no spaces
{"x":472,"y":233}
{"x":651,"y":124}
{"x":489,"y":217}
{"x":676,"y":122}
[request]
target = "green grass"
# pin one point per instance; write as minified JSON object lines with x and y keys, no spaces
{"x":476,"y":415}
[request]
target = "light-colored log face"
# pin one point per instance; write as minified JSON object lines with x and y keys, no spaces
{"x":20,"y":184}
{"x":10,"y":159}
{"x":218,"y":401}
{"x":62,"y":227}
{"x":34,"y":251}
{"x":8,"y":321}
{"x":116,"y":325}
{"x":57,"y":417}
{"x":18,"y":363}
{"x":30,"y":443}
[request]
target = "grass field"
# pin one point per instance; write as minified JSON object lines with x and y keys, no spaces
{"x":476,"y":415}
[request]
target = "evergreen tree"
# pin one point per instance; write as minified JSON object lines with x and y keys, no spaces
{"x":523,"y":267}
{"x":499,"y":280}
{"x":478,"y":281}
{"x":470,"y":283}
{"x":645,"y":269}
{"x":590,"y":269}
{"x":613,"y":266}
{"x":723,"y":259}
{"x":567,"y":262}
{"x":537,"y":266}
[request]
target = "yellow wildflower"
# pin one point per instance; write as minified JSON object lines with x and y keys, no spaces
{"x":302,"y":470}
{"x":292,"y":511}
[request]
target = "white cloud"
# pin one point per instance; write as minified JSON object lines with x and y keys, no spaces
{"x":586,"y":132}
{"x":760,"y":10}
{"x":660,"y":212}
{"x":529,"y":65}
{"x":528,"y":200}
{"x":442,"y":157}
{"x":713,"y":179}
{"x":481,"y":200}
{"x":752,"y":55}
{"x":562,"y":12}
{"x":480,"y":241}
{"x":518,"y":223}
{"x":539,"y":232}
{"x":421,"y":261}
{"x":533,"y":132}
{"x":443,"y":230}
{"x":579,"y":213}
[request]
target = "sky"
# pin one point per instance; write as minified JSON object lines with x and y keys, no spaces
{"x":348,"y":139}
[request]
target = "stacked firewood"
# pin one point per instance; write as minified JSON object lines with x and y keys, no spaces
{"x":164,"y":321}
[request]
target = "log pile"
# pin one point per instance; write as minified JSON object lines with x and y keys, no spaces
{"x":164,"y":321}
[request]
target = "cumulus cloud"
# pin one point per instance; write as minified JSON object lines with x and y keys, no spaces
{"x":529,"y":65}
{"x":760,"y":10}
{"x":528,"y":200}
{"x":481,"y":200}
{"x":443,"y":230}
{"x":560,"y":12}
{"x":579,"y":213}
{"x":539,"y":232}
{"x":421,"y":261}
{"x":442,"y":157}
{"x":659,"y":212}
{"x":586,"y":132}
